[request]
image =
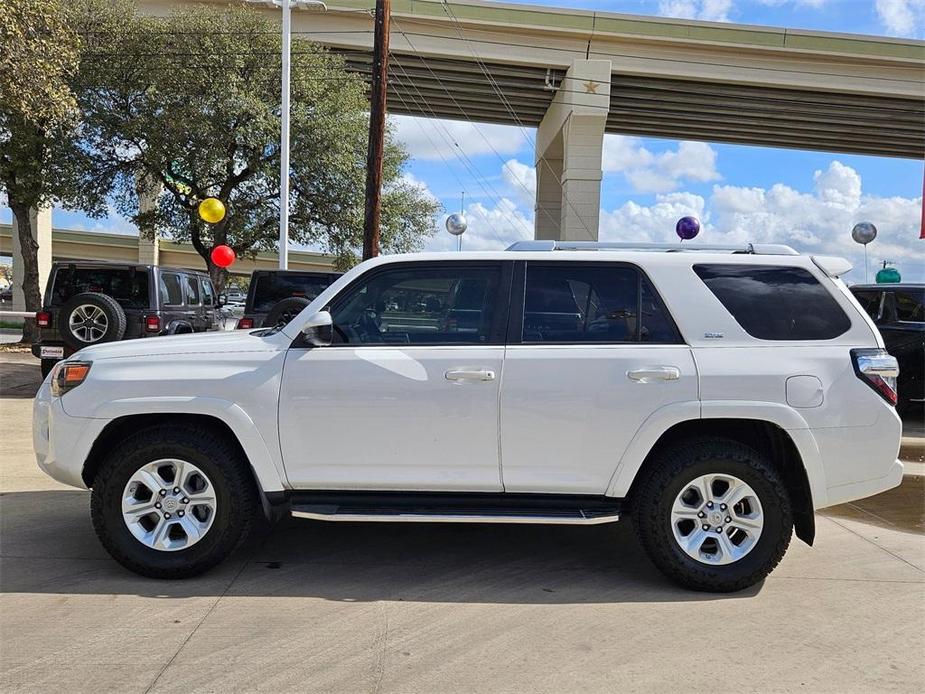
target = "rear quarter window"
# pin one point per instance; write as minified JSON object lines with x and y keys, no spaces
{"x":775,"y":302}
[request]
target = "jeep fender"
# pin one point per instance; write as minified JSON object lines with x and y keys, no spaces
{"x":265,"y":460}
{"x":785,"y":417}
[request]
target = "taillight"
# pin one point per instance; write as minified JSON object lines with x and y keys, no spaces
{"x":43,"y":319}
{"x":152,"y":324}
{"x":879,"y":370}
{"x":245,"y":323}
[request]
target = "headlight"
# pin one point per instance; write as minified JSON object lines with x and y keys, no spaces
{"x":68,"y":375}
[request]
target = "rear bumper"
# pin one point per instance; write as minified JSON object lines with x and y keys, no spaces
{"x":859,"y":490}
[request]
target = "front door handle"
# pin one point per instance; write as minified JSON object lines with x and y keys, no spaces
{"x":650,"y":374}
{"x":470,"y":375}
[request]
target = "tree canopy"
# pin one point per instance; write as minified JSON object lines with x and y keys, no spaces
{"x":191,"y":102}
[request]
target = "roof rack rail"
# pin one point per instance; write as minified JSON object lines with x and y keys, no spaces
{"x":552,"y":245}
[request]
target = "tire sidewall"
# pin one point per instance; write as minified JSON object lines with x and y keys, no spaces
{"x":292,"y":305}
{"x":115,"y":330}
{"x":776,"y":511}
{"x":221,"y":537}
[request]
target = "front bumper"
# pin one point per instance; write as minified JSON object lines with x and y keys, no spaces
{"x":62,"y":443}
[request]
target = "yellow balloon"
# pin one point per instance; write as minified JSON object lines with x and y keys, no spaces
{"x":212,"y":210}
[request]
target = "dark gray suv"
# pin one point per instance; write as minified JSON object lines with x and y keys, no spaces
{"x":88,"y":303}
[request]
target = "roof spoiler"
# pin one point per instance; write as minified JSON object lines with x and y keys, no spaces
{"x":832,"y":265}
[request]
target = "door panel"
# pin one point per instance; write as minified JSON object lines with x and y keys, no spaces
{"x":569,"y":412}
{"x":407,"y":396}
{"x":390,"y":418}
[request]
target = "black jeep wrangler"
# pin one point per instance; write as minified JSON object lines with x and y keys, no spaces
{"x":276,"y":296}
{"x":87,"y":303}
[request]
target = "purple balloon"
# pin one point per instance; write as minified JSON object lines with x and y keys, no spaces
{"x":687,"y":228}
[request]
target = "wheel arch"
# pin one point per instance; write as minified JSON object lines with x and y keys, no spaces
{"x":125,"y":425}
{"x":763,"y":435}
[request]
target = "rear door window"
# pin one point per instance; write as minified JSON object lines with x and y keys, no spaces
{"x":575,"y":303}
{"x":775,"y":302}
{"x":870,"y":302}
{"x":909,"y":305}
{"x":271,"y":288}
{"x":192,"y":290}
{"x":128,"y":286}
{"x":208,"y":294}
{"x":171,"y":292}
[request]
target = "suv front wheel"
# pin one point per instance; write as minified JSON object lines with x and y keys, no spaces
{"x":173,"y":501}
{"x":713,"y":515}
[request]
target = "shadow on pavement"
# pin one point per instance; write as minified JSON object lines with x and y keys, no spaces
{"x":20,"y":378}
{"x":48,"y":546}
{"x":902,"y":508}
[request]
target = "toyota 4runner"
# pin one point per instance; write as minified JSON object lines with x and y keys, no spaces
{"x":716,"y":396}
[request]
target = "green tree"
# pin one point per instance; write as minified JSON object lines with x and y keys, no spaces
{"x":192,"y":103}
{"x":41,"y":159}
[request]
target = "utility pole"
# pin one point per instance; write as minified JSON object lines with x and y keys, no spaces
{"x":377,"y":109}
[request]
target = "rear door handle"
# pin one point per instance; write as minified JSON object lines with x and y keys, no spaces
{"x":650,"y":374}
{"x":470,"y":375}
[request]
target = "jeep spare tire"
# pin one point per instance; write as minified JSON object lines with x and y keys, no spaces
{"x":285,"y":310}
{"x":90,"y":319}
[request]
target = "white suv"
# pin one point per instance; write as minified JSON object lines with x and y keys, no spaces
{"x":717,"y":396}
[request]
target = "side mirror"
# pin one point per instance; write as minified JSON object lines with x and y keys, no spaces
{"x":221,"y":300}
{"x":319,"y":329}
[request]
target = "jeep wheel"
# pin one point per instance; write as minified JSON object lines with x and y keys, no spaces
{"x":285,"y":310}
{"x":713,"y":515}
{"x":89,"y":319}
{"x":173,"y":501}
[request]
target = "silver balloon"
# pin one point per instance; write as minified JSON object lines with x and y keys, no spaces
{"x":864,"y":232}
{"x":456,"y":224}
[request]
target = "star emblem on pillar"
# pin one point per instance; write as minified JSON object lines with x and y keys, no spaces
{"x":591,"y":87}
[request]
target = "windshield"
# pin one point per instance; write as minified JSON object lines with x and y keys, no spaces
{"x":128,"y":286}
{"x":272,"y":288}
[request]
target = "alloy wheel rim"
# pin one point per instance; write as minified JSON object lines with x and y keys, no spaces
{"x":717,"y":519}
{"x":88,"y":323}
{"x":169,"y":504}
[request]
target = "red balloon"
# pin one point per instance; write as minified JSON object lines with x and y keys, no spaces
{"x":222,"y":256}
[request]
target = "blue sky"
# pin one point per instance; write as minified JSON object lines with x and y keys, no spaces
{"x":807,"y":199}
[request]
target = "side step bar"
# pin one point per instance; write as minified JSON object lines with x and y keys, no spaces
{"x":390,"y":507}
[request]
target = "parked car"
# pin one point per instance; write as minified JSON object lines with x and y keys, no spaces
{"x":235,"y":297}
{"x":88,"y":303}
{"x":6,"y":294}
{"x":716,"y":397}
{"x":276,"y":296}
{"x":898,"y":310}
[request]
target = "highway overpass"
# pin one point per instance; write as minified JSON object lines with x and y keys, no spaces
{"x":71,"y":244}
{"x":576,"y":75}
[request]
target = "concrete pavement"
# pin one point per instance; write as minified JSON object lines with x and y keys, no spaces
{"x":314,"y":607}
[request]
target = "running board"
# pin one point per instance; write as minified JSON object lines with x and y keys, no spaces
{"x":388,"y":507}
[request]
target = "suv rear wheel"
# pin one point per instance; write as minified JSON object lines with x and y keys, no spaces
{"x":713,"y":515}
{"x":173,"y":501}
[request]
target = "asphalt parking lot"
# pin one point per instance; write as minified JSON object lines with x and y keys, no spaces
{"x":314,"y":607}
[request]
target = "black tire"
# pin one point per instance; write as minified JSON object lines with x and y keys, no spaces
{"x":47,"y":366}
{"x":666,"y":478}
{"x":115,"y":317}
{"x":237,"y":504}
{"x":284,"y":311}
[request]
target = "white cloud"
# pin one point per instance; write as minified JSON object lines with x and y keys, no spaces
{"x":902,"y":17}
{"x":659,"y":173}
{"x":432,"y":139}
{"x":490,"y":228}
{"x":521,"y":178}
{"x":709,"y":10}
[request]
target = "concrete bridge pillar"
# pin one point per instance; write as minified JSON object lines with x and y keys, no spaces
{"x":148,"y":191}
{"x":40,"y":220}
{"x":569,"y":147}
